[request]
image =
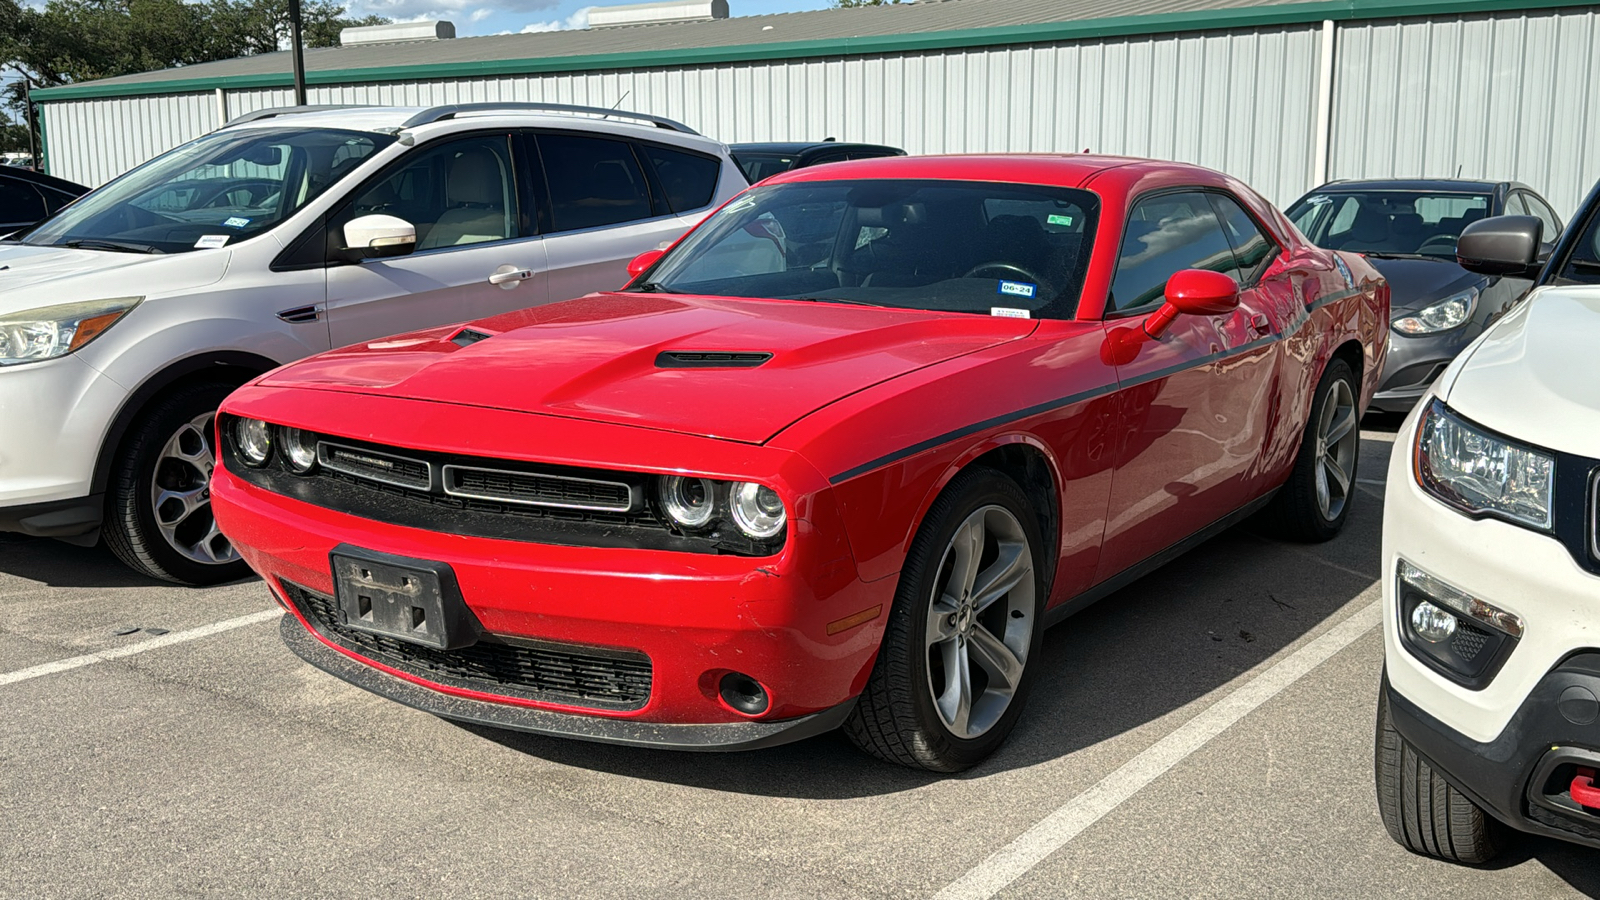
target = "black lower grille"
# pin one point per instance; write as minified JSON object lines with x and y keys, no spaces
{"x":1469,"y":640}
{"x":552,"y":672}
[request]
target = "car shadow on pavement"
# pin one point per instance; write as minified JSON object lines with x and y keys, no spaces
{"x":58,"y":564}
{"x":1134,"y":657}
{"x":1570,"y":862}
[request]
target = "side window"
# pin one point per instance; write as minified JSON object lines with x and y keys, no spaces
{"x":19,"y":202}
{"x":689,"y":179}
{"x":456,"y":193}
{"x":1552,"y":225}
{"x":1252,"y":248}
{"x":592,"y":182}
{"x":1343,"y":220}
{"x":56,"y":199}
{"x":1515,"y":206}
{"x":1165,"y":234}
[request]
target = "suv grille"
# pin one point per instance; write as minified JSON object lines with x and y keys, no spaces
{"x":547,"y":671}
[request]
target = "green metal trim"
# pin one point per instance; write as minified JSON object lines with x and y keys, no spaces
{"x":1117,"y":26}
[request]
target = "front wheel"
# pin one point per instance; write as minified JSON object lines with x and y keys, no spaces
{"x":954,"y":667}
{"x":159,"y":519}
{"x":1314,"y":503}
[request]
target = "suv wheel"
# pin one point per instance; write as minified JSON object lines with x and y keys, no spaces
{"x":159,"y":517}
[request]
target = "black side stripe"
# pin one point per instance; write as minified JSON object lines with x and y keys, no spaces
{"x":1081,"y":396}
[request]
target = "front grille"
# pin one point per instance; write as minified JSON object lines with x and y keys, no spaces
{"x":547,"y":671}
{"x":538,"y":489}
{"x":1469,"y":639}
{"x":376,"y":465}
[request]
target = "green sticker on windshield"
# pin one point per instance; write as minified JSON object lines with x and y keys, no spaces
{"x":1059,"y":220}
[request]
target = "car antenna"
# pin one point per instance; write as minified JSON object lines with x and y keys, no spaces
{"x":622,"y":98}
{"x":1458,"y":169}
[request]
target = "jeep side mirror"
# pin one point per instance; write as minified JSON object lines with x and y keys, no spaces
{"x":379,"y":235}
{"x":1193,"y":292}
{"x":1502,"y":245}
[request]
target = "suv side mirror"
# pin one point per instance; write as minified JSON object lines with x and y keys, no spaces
{"x":1193,"y":292}
{"x":643,"y":262}
{"x":1502,"y":245}
{"x":379,"y":235}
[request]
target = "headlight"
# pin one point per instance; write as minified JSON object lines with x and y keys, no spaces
{"x":1448,"y":313}
{"x":1482,"y":473}
{"x":300,"y":449}
{"x":757,"y":510}
{"x":689,"y":501}
{"x":39,"y":334}
{"x":253,"y":437}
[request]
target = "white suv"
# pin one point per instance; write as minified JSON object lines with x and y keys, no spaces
{"x":126,"y":318}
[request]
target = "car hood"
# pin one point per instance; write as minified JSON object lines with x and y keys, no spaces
{"x":1532,"y":377}
{"x":31,"y":277}
{"x":607,"y":357}
{"x":1416,"y":283}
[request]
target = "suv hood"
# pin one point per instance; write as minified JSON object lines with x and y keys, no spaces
{"x":1532,"y":376}
{"x":596,"y":358}
{"x":31,"y":276}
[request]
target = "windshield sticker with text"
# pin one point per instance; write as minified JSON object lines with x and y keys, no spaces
{"x":1018,"y":289}
{"x":1007,"y":312}
{"x":210,"y":241}
{"x":236,"y":222}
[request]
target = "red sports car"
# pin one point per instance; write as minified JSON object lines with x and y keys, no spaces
{"x":835,"y":459}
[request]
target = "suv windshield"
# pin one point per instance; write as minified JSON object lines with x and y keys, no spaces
{"x":1402,"y":223}
{"x":1582,"y":265}
{"x":227,"y":186}
{"x":954,"y":246}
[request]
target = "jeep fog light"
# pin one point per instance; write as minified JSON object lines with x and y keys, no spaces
{"x":1432,"y":624}
{"x":1453,"y":633}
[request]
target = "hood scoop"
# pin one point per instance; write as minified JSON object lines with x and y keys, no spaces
{"x":466,"y":337}
{"x":711,"y":359}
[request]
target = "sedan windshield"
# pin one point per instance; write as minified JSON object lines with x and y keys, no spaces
{"x":956,"y":246}
{"x":1388,"y":223}
{"x":224,"y":187}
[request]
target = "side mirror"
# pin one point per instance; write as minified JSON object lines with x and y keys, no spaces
{"x":379,"y":235}
{"x":643,"y":262}
{"x":1502,"y":245}
{"x":1193,"y":292}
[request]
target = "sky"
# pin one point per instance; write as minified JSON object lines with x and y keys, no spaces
{"x":473,"y":18}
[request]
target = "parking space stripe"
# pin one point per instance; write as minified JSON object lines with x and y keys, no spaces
{"x":166,"y":640}
{"x":1071,"y":819}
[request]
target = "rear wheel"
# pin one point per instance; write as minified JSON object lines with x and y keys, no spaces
{"x":1314,"y":503}
{"x":953,"y":670}
{"x":159,"y":518}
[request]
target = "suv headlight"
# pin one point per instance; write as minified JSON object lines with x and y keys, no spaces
{"x":1482,"y":473}
{"x":38,"y":334}
{"x":1452,"y":311}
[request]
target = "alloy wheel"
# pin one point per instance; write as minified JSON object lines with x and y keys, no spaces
{"x":1338,"y":440}
{"x":980,"y":626}
{"x":180,"y":495}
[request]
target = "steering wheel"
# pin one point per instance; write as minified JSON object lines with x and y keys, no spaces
{"x":998,"y":266}
{"x":1445,"y":242}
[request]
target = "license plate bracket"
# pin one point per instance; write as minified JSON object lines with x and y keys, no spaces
{"x":411,"y":600}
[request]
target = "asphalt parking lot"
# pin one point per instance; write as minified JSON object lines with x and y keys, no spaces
{"x":1206,"y":732}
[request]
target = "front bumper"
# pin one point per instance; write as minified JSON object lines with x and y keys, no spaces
{"x":56,"y":414}
{"x":1414,"y":363}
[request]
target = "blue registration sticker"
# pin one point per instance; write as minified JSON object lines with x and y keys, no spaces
{"x":1018,"y":289}
{"x":236,"y":222}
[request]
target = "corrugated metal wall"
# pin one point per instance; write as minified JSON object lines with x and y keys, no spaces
{"x":1503,"y":97}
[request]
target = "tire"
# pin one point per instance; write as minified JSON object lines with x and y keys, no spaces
{"x":898,"y":718}
{"x":1312,"y":505}
{"x":1420,"y":810}
{"x":169,"y":448}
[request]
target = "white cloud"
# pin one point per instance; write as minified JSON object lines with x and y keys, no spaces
{"x":579,"y":19}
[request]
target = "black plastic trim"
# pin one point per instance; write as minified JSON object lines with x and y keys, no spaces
{"x":65,"y":519}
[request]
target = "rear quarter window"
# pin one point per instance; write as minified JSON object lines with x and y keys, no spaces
{"x":689,"y":179}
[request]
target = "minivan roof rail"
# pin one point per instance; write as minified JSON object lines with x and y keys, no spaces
{"x":439,"y":113}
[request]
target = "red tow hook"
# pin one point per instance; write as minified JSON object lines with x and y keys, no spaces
{"x":1584,"y":792}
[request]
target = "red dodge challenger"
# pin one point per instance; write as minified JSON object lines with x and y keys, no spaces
{"x":836,"y":459}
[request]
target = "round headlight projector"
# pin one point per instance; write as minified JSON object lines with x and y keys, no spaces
{"x":300,"y":448}
{"x":689,"y":501}
{"x":757,"y":510}
{"x":254,"y":439}
{"x":1432,"y":624}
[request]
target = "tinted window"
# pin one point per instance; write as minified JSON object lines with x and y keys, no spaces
{"x":1515,"y":206}
{"x":592,"y":182}
{"x":1583,"y":265}
{"x":456,"y":193}
{"x":1166,"y":234}
{"x":689,"y":179}
{"x":1251,"y":246}
{"x":1390,"y":222}
{"x":1552,"y":225}
{"x":56,"y":199}
{"x":757,"y":166}
{"x":19,"y":202}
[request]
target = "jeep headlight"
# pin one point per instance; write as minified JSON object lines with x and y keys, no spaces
{"x":46,"y":333}
{"x":1482,"y":473}
{"x":1448,"y":313}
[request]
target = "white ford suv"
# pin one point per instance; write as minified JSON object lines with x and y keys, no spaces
{"x":127,"y":317}
{"x":1489,"y":716}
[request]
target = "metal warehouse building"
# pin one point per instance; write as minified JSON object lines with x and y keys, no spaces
{"x":1283,"y":95}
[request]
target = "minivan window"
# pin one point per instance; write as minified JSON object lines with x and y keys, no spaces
{"x":221,"y":188}
{"x":689,"y":179}
{"x":592,"y":182}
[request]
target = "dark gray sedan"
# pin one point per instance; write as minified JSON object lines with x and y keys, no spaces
{"x":1408,"y":230}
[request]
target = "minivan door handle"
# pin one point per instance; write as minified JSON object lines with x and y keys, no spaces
{"x":510,"y":276}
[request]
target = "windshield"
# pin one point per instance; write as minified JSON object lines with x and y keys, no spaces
{"x":956,"y":246}
{"x":222,"y":188}
{"x":1582,"y":265}
{"x":1404,"y":223}
{"x":757,"y":166}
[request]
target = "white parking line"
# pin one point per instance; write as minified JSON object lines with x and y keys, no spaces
{"x":1069,"y":820}
{"x":166,"y":640}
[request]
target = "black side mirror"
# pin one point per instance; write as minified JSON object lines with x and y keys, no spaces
{"x":1502,"y":245}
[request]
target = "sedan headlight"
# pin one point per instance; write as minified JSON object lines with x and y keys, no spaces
{"x":1452,"y":311}
{"x":1482,"y":473}
{"x":39,"y":334}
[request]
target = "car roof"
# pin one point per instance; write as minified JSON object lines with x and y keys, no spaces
{"x":50,"y":181}
{"x":388,"y":119}
{"x":1453,"y":185}
{"x":795,"y":148}
{"x":1063,"y":169}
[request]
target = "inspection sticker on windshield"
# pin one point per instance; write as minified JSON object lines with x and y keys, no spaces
{"x":211,"y":241}
{"x":1059,"y":220}
{"x":1018,"y":289}
{"x":236,"y":222}
{"x":1007,"y":312}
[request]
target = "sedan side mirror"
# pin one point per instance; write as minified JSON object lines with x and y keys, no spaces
{"x":379,"y":235}
{"x":1502,"y":245}
{"x":642,"y":263}
{"x":1193,"y":292}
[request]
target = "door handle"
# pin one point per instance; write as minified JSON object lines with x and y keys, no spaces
{"x":510,"y":276}
{"x":1260,"y":324}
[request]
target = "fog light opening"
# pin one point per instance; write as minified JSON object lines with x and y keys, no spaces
{"x":1432,"y":624}
{"x":744,"y":694}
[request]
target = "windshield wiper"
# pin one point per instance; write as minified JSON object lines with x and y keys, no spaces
{"x":1585,"y":264}
{"x":844,"y":300}
{"x":652,"y":287}
{"x":1386,"y":254}
{"x":115,"y":246}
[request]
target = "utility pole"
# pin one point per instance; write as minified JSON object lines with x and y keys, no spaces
{"x":27,"y":114}
{"x":299,"y":52}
